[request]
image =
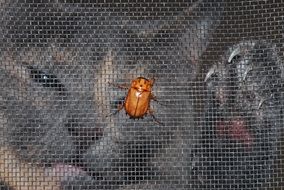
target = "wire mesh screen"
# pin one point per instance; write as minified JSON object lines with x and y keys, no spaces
{"x":146,"y":95}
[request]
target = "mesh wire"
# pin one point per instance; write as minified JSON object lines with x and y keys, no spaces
{"x":212,"y":120}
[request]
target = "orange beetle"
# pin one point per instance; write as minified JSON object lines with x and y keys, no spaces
{"x":137,"y":101}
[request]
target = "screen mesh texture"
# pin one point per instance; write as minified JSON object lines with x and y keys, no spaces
{"x":144,"y":95}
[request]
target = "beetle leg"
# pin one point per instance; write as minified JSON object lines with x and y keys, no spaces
{"x":153,"y":97}
{"x":151,"y":112}
{"x":119,"y":108}
{"x":125,"y":87}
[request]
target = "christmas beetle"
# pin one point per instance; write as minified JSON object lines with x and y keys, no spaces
{"x":138,"y":98}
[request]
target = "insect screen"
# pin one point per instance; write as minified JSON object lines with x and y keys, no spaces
{"x":144,"y":95}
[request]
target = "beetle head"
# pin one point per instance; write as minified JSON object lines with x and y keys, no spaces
{"x":142,"y":84}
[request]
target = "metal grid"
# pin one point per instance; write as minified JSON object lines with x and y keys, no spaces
{"x":66,"y":67}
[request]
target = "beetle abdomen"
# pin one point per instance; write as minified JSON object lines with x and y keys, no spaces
{"x":137,"y":103}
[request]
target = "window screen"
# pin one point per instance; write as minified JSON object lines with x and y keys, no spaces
{"x":141,"y":95}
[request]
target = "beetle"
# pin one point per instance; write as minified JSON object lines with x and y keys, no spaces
{"x":138,"y":98}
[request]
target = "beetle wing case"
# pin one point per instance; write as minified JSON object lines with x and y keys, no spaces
{"x":137,"y":103}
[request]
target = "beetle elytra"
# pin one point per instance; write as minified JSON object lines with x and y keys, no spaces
{"x":138,"y":98}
